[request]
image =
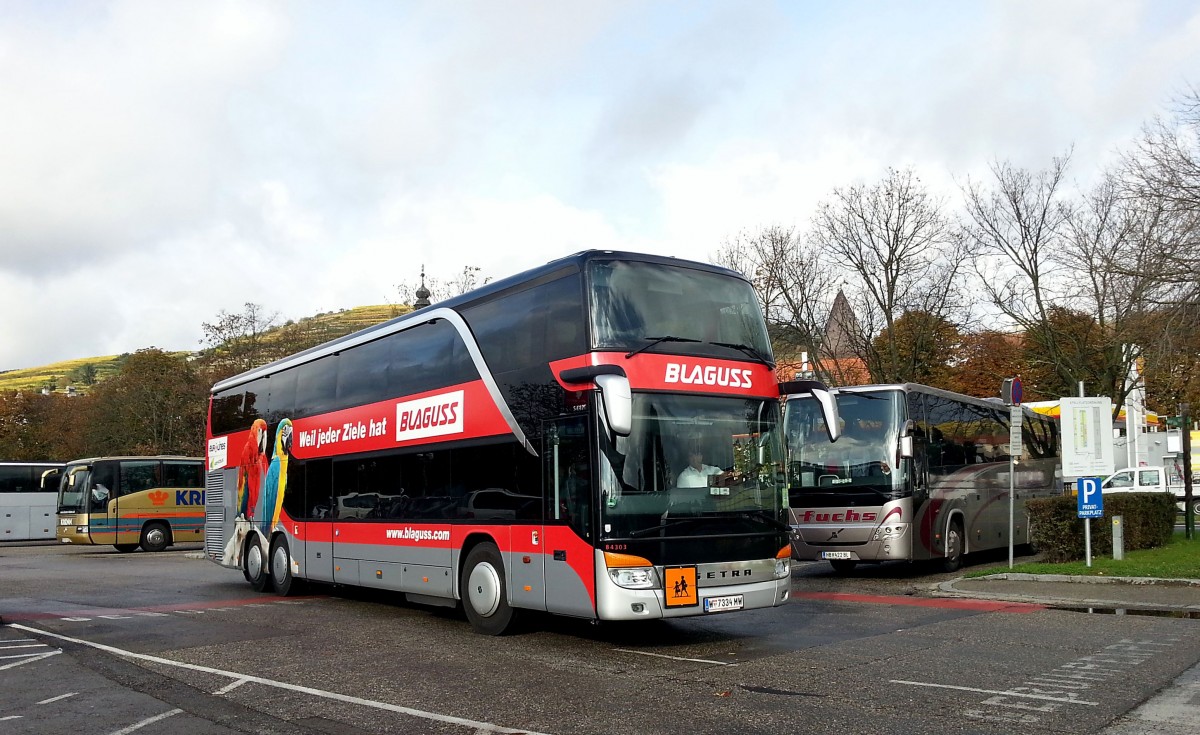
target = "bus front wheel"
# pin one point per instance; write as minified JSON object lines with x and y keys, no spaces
{"x":254,"y":566}
{"x":281,"y":568}
{"x":484,"y":592}
{"x":954,"y":547}
{"x":156,"y":537}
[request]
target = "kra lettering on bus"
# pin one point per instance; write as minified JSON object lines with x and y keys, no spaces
{"x":681,"y":372}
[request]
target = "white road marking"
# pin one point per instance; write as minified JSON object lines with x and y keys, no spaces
{"x":147,"y":721}
{"x":230,"y":687}
{"x":55,"y":699}
{"x":11,"y":717}
{"x":20,"y":655}
{"x":677,"y":658}
{"x":449,"y":719}
{"x":994,"y":691}
{"x":24,"y":645}
{"x":39,"y":657}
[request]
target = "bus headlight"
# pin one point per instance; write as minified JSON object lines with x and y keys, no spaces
{"x":783,"y":568}
{"x":634,"y":578}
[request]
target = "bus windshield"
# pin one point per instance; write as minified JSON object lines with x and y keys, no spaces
{"x":862,"y":462}
{"x":72,"y":489}
{"x":691,"y":311}
{"x":693,"y":465}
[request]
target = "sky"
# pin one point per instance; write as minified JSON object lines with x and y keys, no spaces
{"x":163,"y":162}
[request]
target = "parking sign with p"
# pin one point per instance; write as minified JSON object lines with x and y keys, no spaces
{"x":1089,"y":498}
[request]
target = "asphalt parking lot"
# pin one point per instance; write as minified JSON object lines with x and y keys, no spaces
{"x":170,"y":643}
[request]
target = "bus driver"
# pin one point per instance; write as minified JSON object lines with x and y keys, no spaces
{"x":697,"y":474}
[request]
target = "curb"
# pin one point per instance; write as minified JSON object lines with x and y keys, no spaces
{"x":947,"y":589}
{"x":1022,"y":577}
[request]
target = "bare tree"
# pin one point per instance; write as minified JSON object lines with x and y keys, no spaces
{"x":1162,"y":175}
{"x":1016,"y":227}
{"x":899,"y":254}
{"x":467,"y":279}
{"x":237,"y":342}
{"x":792,"y":284}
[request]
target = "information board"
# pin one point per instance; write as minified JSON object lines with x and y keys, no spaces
{"x":1087,"y":436}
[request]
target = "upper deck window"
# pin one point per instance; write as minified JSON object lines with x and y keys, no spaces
{"x":634,"y":302}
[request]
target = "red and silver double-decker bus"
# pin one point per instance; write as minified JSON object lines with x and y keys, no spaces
{"x":596,"y":437}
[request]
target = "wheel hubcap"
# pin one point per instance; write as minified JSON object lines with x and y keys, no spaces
{"x":952,"y":543}
{"x":156,"y":537}
{"x":483,"y":589}
{"x":254,"y":561}
{"x":279,"y":562}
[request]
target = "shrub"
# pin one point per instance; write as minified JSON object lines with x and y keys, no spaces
{"x":1148,"y":520}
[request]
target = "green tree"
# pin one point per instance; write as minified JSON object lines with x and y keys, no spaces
{"x":85,"y":374}
{"x":918,"y":347}
{"x":155,"y":405}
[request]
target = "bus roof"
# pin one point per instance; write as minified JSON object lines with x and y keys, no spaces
{"x":173,"y":457}
{"x":918,"y":387}
{"x":567,"y":264}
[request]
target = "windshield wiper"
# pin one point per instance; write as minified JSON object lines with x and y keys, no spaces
{"x":761,"y":515}
{"x":746,"y":349}
{"x":665,"y":524}
{"x":658,"y":340}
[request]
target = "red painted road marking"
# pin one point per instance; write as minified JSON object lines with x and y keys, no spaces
{"x":952,"y":603}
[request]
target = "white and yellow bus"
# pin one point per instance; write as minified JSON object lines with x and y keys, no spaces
{"x":151,"y":502}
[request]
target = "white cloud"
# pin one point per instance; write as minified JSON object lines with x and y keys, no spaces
{"x":166,"y":161}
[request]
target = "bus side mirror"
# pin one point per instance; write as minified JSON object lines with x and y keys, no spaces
{"x":825,"y":399}
{"x":906,"y":439}
{"x":618,"y":402}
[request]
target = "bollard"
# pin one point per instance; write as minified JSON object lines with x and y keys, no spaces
{"x":1118,"y":534}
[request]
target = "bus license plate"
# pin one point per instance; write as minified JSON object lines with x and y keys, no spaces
{"x":721,"y":604}
{"x":835,"y":554}
{"x":65,"y":521}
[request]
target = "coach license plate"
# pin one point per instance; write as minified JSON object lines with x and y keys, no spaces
{"x":65,"y":521}
{"x":835,"y":554}
{"x":721,"y":604}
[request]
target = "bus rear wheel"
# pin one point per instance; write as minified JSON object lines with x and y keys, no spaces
{"x":954,"y":547}
{"x":484,"y":591}
{"x":156,"y":537}
{"x":281,"y":568}
{"x":254,"y":566}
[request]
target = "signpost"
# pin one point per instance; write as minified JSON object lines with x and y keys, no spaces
{"x":1090,"y":504}
{"x":1015,"y":448}
{"x":1087,"y":449}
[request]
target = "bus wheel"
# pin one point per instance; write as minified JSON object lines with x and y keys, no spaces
{"x":254,"y":566}
{"x":1196,"y":508}
{"x":954,"y":547}
{"x":125,"y":548}
{"x":281,"y":568}
{"x":843,"y":566}
{"x":156,"y":537}
{"x":484,"y":593}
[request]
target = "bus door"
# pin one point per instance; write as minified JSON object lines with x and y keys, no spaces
{"x":318,"y":508}
{"x":102,"y":492}
{"x":569,"y":555}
